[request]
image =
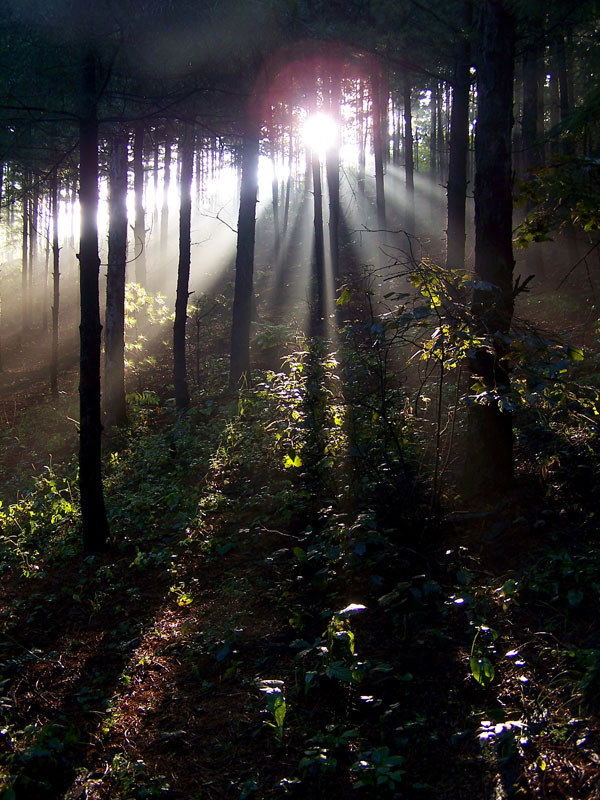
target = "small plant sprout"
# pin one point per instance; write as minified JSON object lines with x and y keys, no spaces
{"x":340,"y":658}
{"x":481,"y":666}
{"x":276,"y":707}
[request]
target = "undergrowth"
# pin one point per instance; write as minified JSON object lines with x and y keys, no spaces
{"x":286,"y":612}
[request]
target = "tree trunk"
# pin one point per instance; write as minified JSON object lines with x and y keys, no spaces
{"x":568,"y":145}
{"x":33,"y":241}
{"x":433,"y":134}
{"x":275,"y":196}
{"x":554,"y":104}
{"x":378,"y":138}
{"x":139,"y":227}
{"x":288,"y":184}
{"x":532,"y":125}
{"x":55,"y":284}
{"x":93,"y":512}
{"x":186,"y":144}
{"x":115,"y":405}
{"x":409,"y":164}
{"x":360,"y":127}
{"x":489,"y":464}
{"x":244,"y":262}
{"x":459,"y":146}
{"x":24,"y":259}
{"x":164,"y":215}
{"x":333,"y":178}
{"x":318,"y":306}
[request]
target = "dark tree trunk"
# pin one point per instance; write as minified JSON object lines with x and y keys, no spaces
{"x":333,"y":179}
{"x":182,"y":395}
{"x":164,"y":215}
{"x":139,"y":228}
{"x":489,"y":464}
{"x":360,"y":127}
{"x":55,"y":284}
{"x":33,"y":241}
{"x":378,"y":146}
{"x":532,"y":125}
{"x":288,"y":185}
{"x":24,"y":259}
{"x":554,"y":104}
{"x":409,"y":164}
{"x":433,"y":134}
{"x":244,"y":262}
{"x":115,"y":405}
{"x":459,"y":146}
{"x":93,"y":512}
{"x":568,"y":145}
{"x":46,"y":269}
{"x":318,"y":307}
{"x":275,"y":199}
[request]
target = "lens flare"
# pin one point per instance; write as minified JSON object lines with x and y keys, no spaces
{"x":320,"y":132}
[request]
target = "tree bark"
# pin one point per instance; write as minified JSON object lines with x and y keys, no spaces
{"x":115,"y":406}
{"x":139,"y":228}
{"x":360,"y":127}
{"x":459,"y":145}
{"x":378,"y":138}
{"x":489,"y":464}
{"x":532,"y":126}
{"x":55,"y":284}
{"x":318,"y":306}
{"x":164,"y":215}
{"x":244,"y":262}
{"x":333,"y":178}
{"x":182,"y":395}
{"x":24,"y":259}
{"x":568,"y":144}
{"x":93,"y":512}
{"x":409,"y":164}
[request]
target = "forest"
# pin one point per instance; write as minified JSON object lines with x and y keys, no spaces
{"x":299,"y":396}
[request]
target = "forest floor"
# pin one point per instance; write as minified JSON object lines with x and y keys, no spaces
{"x":265,"y":628}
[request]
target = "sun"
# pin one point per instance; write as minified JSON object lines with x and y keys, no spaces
{"x":320,"y":132}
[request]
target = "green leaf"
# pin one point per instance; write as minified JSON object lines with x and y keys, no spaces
{"x":575,"y":353}
{"x":300,"y":554}
{"x":482,"y":669}
{"x":292,"y":460}
{"x":344,"y":297}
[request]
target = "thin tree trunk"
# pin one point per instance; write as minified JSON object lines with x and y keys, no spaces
{"x":433,"y":134}
{"x":33,"y":241}
{"x":275,"y":193}
{"x":409,"y":164}
{"x":489,"y":463}
{"x":139,"y":229}
{"x":55,"y":284}
{"x":93,"y":512}
{"x":164,"y":216}
{"x":186,"y":155}
{"x":360,"y":127}
{"x":531,"y":139}
{"x":459,"y":146}
{"x":554,"y":104}
{"x":333,"y":178}
{"x":318,"y":310}
{"x":377,"y":117}
{"x":288,"y":185}
{"x":568,"y":145}
{"x":46,"y":275}
{"x":24,"y":259}
{"x":115,"y":405}
{"x":244,"y":262}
